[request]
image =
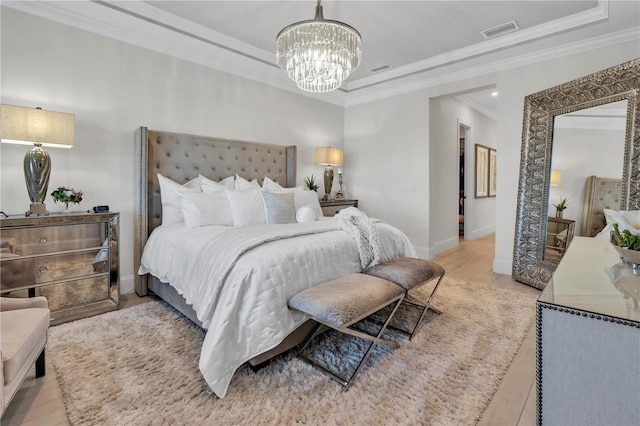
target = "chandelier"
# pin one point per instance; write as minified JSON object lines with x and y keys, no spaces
{"x":318,"y":54}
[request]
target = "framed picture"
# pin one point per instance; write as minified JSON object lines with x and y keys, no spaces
{"x":492,"y":172}
{"x":482,"y":171}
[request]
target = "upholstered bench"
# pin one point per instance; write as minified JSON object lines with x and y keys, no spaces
{"x":410,"y":274}
{"x":341,"y":303}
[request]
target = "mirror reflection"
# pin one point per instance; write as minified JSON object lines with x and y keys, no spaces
{"x":587,"y":142}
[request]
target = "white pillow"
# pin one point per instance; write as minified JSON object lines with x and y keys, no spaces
{"x":205,"y":208}
{"x":624,"y":218}
{"x":279,"y":207}
{"x":209,"y":185}
{"x":305,"y":214}
{"x":169,"y":190}
{"x":242,"y":184}
{"x":247,"y":207}
{"x":270,"y":186}
{"x":305,"y":197}
{"x":229,"y":182}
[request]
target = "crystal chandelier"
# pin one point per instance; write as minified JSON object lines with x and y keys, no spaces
{"x":318,"y":54}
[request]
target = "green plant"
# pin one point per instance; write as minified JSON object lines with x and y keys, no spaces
{"x":66,"y":195}
{"x":626,"y":239}
{"x":310,"y":182}
{"x":564,"y":202}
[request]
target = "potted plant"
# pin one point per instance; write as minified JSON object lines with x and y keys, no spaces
{"x":560,"y":206}
{"x":66,"y":195}
{"x":310,"y":182}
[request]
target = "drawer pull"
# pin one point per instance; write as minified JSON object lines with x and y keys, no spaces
{"x":43,"y":240}
{"x":43,"y":269}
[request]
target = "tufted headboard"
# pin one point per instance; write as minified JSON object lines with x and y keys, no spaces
{"x":182,"y":157}
{"x":601,"y":193}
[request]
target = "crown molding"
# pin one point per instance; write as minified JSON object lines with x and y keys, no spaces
{"x":467,"y":100}
{"x":143,"y":25}
{"x":597,"y":14}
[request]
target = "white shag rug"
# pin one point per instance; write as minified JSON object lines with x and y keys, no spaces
{"x":140,"y":366}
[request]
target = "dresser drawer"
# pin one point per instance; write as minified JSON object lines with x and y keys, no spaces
{"x":16,"y":273}
{"x":20,"y":272}
{"x":48,"y":239}
{"x":75,"y":293}
{"x":331,"y":208}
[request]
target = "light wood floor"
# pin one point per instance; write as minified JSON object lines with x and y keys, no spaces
{"x":40,"y":401}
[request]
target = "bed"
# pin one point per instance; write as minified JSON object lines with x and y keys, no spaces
{"x":235,"y":281}
{"x":600,"y":193}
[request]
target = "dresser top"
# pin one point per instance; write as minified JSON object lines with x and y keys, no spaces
{"x":57,"y":219}
{"x":590,"y":277}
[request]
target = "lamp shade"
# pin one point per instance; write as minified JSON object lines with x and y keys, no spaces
{"x":329,"y":156}
{"x":34,"y":125}
{"x":556,"y":177}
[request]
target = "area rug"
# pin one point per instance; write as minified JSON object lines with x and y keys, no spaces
{"x":140,"y":366}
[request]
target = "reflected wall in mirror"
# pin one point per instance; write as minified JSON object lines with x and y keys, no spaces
{"x":531,"y":265}
{"x":588,"y":142}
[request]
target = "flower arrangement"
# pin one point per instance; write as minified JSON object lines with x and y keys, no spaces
{"x":66,"y":195}
{"x":310,"y":182}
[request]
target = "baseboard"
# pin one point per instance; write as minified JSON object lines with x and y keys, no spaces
{"x":126,"y":284}
{"x":480,"y":232}
{"x":501,"y":266}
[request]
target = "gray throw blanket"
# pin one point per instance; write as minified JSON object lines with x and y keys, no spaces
{"x":363,"y":230}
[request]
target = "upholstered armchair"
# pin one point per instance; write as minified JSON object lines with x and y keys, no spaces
{"x":24,"y":323}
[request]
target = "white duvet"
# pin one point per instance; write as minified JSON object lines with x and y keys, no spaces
{"x":239,"y":279}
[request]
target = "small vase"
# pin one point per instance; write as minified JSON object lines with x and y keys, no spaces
{"x":67,"y":210}
{"x":559,"y":214}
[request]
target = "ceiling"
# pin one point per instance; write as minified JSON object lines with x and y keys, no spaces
{"x":424,"y":43}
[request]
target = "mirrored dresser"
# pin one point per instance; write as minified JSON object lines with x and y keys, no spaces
{"x":71,"y":259}
{"x":588,"y":339}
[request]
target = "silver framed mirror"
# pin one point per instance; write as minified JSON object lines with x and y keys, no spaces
{"x":611,"y":85}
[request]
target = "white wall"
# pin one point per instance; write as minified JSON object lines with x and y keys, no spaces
{"x":573,"y":154}
{"x":514,"y":85}
{"x":480,"y":214}
{"x":113,"y":88}
{"x":398,"y":129}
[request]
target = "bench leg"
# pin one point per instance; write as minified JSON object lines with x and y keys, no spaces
{"x":374,"y":340}
{"x":40,"y":368}
{"x":426,"y":307}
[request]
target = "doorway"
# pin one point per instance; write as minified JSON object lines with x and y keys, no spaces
{"x":463,"y":136}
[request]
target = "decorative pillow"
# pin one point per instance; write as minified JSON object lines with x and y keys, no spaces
{"x":304,"y":197}
{"x":169,"y":190}
{"x":247,"y":207}
{"x":209,"y":185}
{"x":279,"y":208}
{"x":630,"y":217}
{"x":305,"y":214}
{"x":242,"y":184}
{"x":205,"y":208}
{"x":270,"y":186}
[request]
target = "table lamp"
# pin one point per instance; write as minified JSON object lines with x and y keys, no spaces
{"x":37,"y":127}
{"x":329,"y":156}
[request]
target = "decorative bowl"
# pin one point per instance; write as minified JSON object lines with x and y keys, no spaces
{"x":629,"y":256}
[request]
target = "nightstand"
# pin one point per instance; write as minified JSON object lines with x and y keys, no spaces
{"x":559,"y":235}
{"x":71,"y":259}
{"x":331,"y":208}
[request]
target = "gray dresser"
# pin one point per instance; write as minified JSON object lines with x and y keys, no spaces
{"x":71,"y":259}
{"x":588,"y":339}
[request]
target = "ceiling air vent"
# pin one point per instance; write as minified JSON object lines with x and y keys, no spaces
{"x":379,"y":67}
{"x":503,"y":29}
